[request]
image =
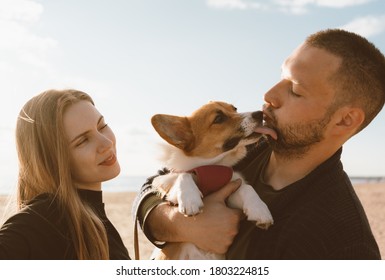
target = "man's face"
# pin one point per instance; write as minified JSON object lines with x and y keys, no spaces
{"x":299,"y":107}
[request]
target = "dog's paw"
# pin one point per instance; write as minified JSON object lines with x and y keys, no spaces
{"x":255,"y":209}
{"x":190,"y":204}
{"x":259,"y":213}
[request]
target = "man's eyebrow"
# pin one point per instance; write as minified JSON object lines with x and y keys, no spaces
{"x":285,"y":74}
{"x":86,"y":132}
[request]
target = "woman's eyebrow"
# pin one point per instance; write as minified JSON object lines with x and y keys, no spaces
{"x":86,"y":132}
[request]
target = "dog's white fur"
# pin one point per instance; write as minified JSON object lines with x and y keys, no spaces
{"x":185,"y":193}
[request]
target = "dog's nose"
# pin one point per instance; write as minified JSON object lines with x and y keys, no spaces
{"x":257,"y":115}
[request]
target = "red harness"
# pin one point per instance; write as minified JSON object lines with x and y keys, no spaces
{"x":210,"y":178}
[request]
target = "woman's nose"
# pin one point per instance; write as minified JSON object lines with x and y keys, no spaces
{"x":105,"y":143}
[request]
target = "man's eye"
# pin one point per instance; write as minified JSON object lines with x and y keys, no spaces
{"x":292,"y":92}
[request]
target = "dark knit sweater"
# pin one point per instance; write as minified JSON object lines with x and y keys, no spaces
{"x":39,"y":231}
{"x":317,"y":217}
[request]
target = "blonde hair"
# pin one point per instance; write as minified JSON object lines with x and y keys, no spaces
{"x":44,"y":167}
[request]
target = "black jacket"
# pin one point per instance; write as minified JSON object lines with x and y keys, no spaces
{"x":39,"y":231}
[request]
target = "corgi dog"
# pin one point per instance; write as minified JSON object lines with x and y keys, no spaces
{"x":214,"y":135}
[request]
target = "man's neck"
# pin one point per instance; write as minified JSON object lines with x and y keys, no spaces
{"x":282,"y":171}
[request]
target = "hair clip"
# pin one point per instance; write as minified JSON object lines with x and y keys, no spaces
{"x":27,"y":118}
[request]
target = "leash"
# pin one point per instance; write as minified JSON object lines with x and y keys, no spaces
{"x":209,"y":178}
{"x":136,"y":240}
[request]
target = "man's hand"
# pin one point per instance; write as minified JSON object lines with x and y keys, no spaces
{"x":212,"y":230}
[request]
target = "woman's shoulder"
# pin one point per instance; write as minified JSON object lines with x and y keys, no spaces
{"x":41,"y":209}
{"x":41,"y":216}
{"x":37,"y":231}
{"x":44,"y":201}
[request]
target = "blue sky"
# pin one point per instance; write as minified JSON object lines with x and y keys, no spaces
{"x":139,"y":58}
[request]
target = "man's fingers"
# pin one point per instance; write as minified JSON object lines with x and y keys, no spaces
{"x":228,"y":189}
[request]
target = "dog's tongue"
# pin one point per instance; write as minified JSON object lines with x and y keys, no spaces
{"x":267,"y":131}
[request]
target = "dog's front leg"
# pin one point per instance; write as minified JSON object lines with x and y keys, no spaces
{"x":187,"y":194}
{"x":255,"y":209}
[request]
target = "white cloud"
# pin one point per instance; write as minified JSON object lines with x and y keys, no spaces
{"x":20,"y":10}
{"x":17,"y":41}
{"x":366,"y":26}
{"x":290,"y":6}
{"x":322,"y":3}
{"x":228,"y":4}
{"x":236,"y":4}
{"x":340,"y":3}
{"x":301,"y":6}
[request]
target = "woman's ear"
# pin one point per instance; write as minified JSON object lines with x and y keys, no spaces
{"x":348,"y":120}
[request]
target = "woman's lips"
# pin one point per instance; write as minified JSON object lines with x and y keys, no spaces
{"x":109,"y":161}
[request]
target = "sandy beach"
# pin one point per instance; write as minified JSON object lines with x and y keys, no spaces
{"x":118,"y":207}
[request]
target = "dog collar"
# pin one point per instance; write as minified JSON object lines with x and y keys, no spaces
{"x":210,"y":178}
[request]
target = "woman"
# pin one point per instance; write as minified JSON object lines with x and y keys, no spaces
{"x":65,"y":150}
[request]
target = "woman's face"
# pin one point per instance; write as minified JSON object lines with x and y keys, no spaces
{"x":92,"y":146}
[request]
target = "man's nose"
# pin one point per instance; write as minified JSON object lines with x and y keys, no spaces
{"x":274,"y":96}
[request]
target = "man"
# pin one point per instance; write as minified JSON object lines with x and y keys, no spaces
{"x":332,"y":86}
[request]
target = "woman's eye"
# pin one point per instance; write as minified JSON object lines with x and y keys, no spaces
{"x":81,"y":142}
{"x":103,"y":126}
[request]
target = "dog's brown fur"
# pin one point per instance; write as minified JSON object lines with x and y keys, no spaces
{"x":214,"y":134}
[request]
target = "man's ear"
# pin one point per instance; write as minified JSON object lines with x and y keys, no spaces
{"x":348,"y":120}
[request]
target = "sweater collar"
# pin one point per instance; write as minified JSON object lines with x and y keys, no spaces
{"x":92,"y":197}
{"x":320,"y":177}
{"x":328,"y":168}
{"x":95,"y":200}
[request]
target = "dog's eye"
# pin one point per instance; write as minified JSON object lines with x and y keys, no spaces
{"x":235,"y":109}
{"x":219,"y":118}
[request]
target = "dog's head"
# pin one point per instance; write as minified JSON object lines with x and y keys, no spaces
{"x":210,"y":131}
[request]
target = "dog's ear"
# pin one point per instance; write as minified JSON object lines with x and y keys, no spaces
{"x":175,"y":130}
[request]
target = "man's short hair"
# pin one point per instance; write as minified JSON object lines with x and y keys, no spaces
{"x":360,"y":80}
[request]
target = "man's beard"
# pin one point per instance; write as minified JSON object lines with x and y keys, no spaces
{"x":295,"y":140}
